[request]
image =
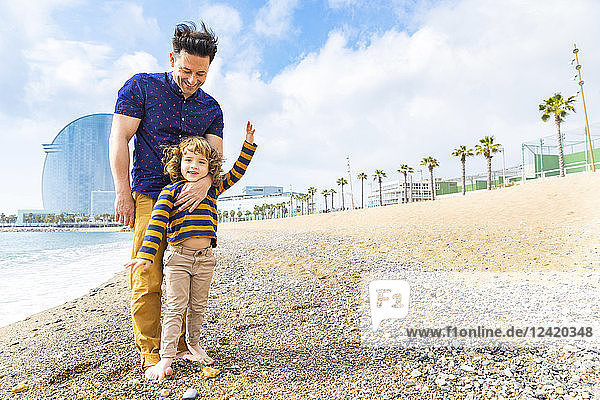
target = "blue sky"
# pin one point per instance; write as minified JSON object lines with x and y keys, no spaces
{"x":386,"y":83}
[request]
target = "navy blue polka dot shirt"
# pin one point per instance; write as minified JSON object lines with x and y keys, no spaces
{"x":166,"y":117}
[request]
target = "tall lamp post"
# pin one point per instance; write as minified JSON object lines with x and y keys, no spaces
{"x":350,"y":180}
{"x":503,"y":168}
{"x":587,"y":126}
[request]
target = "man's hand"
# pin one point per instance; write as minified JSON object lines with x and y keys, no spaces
{"x":193,"y":193}
{"x":138,"y":262}
{"x":125,"y":209}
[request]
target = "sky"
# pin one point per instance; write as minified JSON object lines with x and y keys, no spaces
{"x":385,"y":83}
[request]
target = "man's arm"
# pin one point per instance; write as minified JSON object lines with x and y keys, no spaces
{"x":192,"y":194}
{"x":216,"y":142}
{"x":123,"y":129}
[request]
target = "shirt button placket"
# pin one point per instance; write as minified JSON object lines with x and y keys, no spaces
{"x":183,"y":115}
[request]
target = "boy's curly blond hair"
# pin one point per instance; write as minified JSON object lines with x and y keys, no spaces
{"x":195,"y":144}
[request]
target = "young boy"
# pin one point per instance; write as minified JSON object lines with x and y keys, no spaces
{"x":188,"y":260}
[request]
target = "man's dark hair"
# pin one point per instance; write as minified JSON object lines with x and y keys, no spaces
{"x":201,"y":42}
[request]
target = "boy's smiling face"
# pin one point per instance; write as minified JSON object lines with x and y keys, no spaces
{"x":194,"y":166}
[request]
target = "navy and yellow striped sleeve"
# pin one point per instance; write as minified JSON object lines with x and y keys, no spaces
{"x":157,"y":226}
{"x":239,"y":168}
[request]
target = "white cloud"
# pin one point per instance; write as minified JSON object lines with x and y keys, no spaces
{"x":237,"y":48}
{"x":227,"y":18}
{"x":335,"y":4}
{"x":129,"y":24}
{"x":472,"y":69}
{"x":275,"y":18}
{"x":71,"y":72}
{"x":55,"y":80}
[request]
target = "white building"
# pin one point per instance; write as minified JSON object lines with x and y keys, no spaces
{"x":393,"y":192}
{"x":246,"y":202}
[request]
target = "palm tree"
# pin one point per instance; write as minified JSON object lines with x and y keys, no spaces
{"x":487,"y":148}
{"x":362,"y":176}
{"x":463,"y":152}
{"x":300,"y":197}
{"x":325,"y":193}
{"x":341,"y":182}
{"x":560,"y":107}
{"x":225,"y":215}
{"x":379,"y":174}
{"x":331,"y":192}
{"x":431,"y":163}
{"x":306,"y":198}
{"x":311,"y":191}
{"x":405,"y":170}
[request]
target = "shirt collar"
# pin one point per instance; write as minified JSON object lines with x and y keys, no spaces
{"x":176,"y":89}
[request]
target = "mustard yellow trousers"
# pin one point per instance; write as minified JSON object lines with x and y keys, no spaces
{"x":146,"y":290}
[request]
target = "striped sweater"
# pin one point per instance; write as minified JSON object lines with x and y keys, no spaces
{"x":181,"y":225}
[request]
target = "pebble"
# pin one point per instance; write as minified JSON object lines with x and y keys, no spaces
{"x":190,"y":394}
{"x":165,"y":392}
{"x":21,"y":387}
{"x":467,"y":368}
{"x":209,"y":372}
{"x":270,"y":322}
{"x":415,"y":373}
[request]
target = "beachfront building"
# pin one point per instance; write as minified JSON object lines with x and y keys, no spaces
{"x":395,"y":192}
{"x":102,"y":202}
{"x":262,"y":190}
{"x":76,"y":177}
{"x":256,"y":202}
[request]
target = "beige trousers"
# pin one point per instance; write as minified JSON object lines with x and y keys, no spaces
{"x":188,"y":273}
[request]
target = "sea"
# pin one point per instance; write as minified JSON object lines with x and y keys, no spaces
{"x":41,"y":270}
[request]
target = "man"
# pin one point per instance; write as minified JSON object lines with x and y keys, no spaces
{"x":160,"y":109}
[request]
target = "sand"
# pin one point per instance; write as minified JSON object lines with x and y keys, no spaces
{"x":552,"y":223}
{"x":281,"y":320}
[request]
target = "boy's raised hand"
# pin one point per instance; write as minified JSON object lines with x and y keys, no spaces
{"x":249,"y":133}
{"x":138,"y":262}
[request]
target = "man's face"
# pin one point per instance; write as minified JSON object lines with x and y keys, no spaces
{"x":189,"y":71}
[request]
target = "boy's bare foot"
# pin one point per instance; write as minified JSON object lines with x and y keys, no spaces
{"x":198,"y":354}
{"x":160,"y":370}
{"x":182,"y":354}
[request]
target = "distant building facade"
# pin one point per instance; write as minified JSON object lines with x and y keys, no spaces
{"x":395,"y":192}
{"x":102,"y":202}
{"x":262,"y":190}
{"x":76,"y":175}
{"x":248,"y":202}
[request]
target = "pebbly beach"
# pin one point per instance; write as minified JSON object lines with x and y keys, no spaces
{"x":286,"y":300}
